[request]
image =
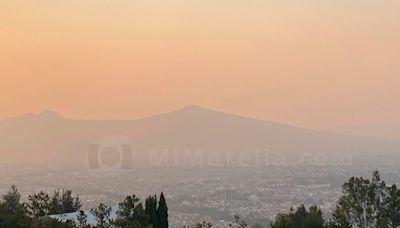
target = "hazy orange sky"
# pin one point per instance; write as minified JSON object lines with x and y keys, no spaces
{"x":314,"y":63}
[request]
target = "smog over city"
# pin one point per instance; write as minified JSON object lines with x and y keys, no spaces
{"x":189,"y":113}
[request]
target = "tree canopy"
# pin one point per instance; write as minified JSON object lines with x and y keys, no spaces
{"x":366,"y":203}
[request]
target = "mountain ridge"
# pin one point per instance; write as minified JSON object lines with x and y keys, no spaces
{"x":191,"y":109}
{"x":48,"y":136}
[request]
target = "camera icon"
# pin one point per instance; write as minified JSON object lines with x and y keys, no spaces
{"x":111,"y":153}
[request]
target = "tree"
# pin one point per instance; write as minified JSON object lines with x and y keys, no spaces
{"x":339,"y":219}
{"x":378,"y":194}
{"x":392,"y":202}
{"x":204,"y":225}
{"x":301,"y":218}
{"x":314,"y":218}
{"x":11,"y":200}
{"x":13,"y":213}
{"x":38,"y":205}
{"x":53,"y":223}
{"x":282,"y":220}
{"x":238,"y":223}
{"x":82,"y":219}
{"x":102,"y":214}
{"x":131,"y":214}
{"x":140,"y":215}
{"x":151,"y":209}
{"x":362,"y":203}
{"x":162,"y":213}
{"x":55,"y":205}
{"x":69,"y":202}
{"x":41,"y":204}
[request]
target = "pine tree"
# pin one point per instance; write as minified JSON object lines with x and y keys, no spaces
{"x":339,"y":219}
{"x":11,"y":200}
{"x":55,"y":206}
{"x":69,"y":202}
{"x":162,"y":213}
{"x":13,"y":213}
{"x":82,"y":219}
{"x":140,"y":215}
{"x":301,"y":218}
{"x":314,"y":218}
{"x":151,"y":209}
{"x":102,"y":214}
{"x":39,"y":204}
{"x":126,"y":211}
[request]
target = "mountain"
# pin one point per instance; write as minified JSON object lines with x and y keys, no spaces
{"x":192,"y":135}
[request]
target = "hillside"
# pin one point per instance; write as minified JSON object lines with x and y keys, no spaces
{"x":50,"y":137}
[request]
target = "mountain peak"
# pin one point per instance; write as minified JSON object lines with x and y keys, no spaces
{"x":49,"y":115}
{"x":26,"y":116}
{"x":45,"y":115}
{"x":193,"y":107}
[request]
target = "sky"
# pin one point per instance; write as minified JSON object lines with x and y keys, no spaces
{"x":319,"y":64}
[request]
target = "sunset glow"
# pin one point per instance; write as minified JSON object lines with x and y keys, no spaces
{"x":318,"y":64}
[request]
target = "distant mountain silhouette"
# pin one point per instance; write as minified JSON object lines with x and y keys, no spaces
{"x":50,"y":137}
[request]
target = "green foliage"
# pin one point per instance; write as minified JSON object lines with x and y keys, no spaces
{"x":52,"y":223}
{"x":204,"y":225}
{"x":131,"y":213}
{"x":339,"y":219}
{"x":38,"y":205}
{"x":283,"y":220}
{"x":367,"y":203}
{"x":67,"y":202}
{"x":238,"y":222}
{"x":140,"y":215}
{"x":126,"y":211}
{"x":301,"y":218}
{"x":42,"y":204}
{"x":162,"y":213}
{"x":151,"y":209}
{"x":392,"y":202}
{"x":314,"y":218}
{"x":82,"y":219}
{"x":364,"y":203}
{"x":102,"y":214}
{"x":13,"y":213}
{"x":11,"y":200}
